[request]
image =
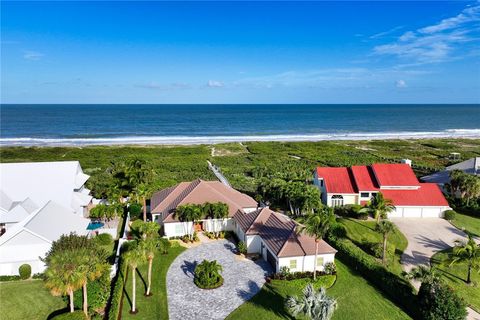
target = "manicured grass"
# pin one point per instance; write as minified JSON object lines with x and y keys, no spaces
{"x":154,"y":307}
{"x":362,"y":232}
{"x":469,"y":223}
{"x":456,"y":276}
{"x":28,"y":299}
{"x":356,"y":299}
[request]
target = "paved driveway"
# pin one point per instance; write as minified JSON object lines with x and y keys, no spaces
{"x":242,"y":280}
{"x":425,"y":236}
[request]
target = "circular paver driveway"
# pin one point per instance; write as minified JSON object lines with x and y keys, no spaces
{"x":243,"y":279}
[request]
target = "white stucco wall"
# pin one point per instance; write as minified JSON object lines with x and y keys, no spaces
{"x":254,"y":243}
{"x":176,"y":229}
{"x":212,"y":225}
{"x":347,"y":198}
{"x":305,"y":263}
{"x":239,"y":232}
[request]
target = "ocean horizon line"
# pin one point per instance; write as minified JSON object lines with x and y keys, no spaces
{"x":195,"y":140}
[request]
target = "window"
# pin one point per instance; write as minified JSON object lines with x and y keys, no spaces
{"x":337,"y":200}
{"x":364,"y":194}
{"x":293,"y":264}
{"x":321,"y":183}
{"x":319,"y":261}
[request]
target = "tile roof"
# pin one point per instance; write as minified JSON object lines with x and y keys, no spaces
{"x":394,"y":174}
{"x":165,"y":201}
{"x":428,"y":194}
{"x":337,"y":180}
{"x":245,"y":220}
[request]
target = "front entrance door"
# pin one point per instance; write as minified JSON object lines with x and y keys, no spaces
{"x":198,"y":227}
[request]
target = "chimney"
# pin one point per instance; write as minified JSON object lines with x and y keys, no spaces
{"x":407,"y":161}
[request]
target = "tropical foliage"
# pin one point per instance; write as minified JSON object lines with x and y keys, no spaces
{"x":439,"y":301}
{"x":315,"y":305}
{"x":467,"y":252}
{"x":467,"y":185}
{"x":134,"y":257}
{"x":379,"y":207}
{"x":385,"y":227}
{"x":317,"y":225}
{"x":207,"y":275}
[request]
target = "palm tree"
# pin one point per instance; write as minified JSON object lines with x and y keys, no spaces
{"x":424,"y":274}
{"x":466,"y":252}
{"x":142,"y":190}
{"x":317,"y":225}
{"x":379,"y":207}
{"x":150,"y":243}
{"x":189,"y":213}
{"x":134,"y":257}
{"x":315,"y":305}
{"x":385,"y":227}
{"x":63,"y":275}
{"x":215,"y":211}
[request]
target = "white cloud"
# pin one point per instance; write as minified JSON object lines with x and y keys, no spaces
{"x":385,"y":33}
{"x":215,"y":84}
{"x":32,"y":55}
{"x":166,"y":87}
{"x":400,"y":84}
{"x":435,"y":43}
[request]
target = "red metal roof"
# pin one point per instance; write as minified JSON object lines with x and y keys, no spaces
{"x":337,"y":180}
{"x":364,"y":178}
{"x":428,"y":194}
{"x":394,"y":174}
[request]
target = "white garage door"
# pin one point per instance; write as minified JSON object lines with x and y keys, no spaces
{"x":412,"y":212}
{"x":432,"y":212}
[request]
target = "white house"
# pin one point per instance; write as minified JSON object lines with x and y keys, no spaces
{"x":39,"y":201}
{"x":268,"y":233}
{"x":31,"y":238}
{"x":397,"y":182}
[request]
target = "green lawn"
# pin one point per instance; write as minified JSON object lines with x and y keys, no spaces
{"x":28,"y":299}
{"x":356,"y":299}
{"x":469,"y":223}
{"x":455,"y":276}
{"x":363,"y":232}
{"x":154,"y":307}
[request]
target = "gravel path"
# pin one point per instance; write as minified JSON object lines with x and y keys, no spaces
{"x":242,"y":280}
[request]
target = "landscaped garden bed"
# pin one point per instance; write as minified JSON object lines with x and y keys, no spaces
{"x":207,"y":275}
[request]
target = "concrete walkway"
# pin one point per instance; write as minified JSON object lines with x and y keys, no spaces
{"x":242,"y":280}
{"x":427,"y":236}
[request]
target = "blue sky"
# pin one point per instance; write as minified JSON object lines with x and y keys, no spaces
{"x":240,"y":52}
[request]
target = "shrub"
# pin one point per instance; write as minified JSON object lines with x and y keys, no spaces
{"x":164,"y":245}
{"x":135,"y":210}
{"x":284,"y":271}
{"x":9,"y":278}
{"x":195,"y":237}
{"x":242,"y":247}
{"x":25,"y":271}
{"x":330,"y":268}
{"x":377,"y":250}
{"x":103,"y":239}
{"x":117,"y":291}
{"x":98,"y":292}
{"x":76,"y":315}
{"x":207,"y":275}
{"x":438,"y":301}
{"x":449,"y":215}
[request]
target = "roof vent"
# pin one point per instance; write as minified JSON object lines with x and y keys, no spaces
{"x":407,"y":161}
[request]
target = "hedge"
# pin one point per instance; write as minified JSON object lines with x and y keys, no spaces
{"x":115,"y":305}
{"x":394,"y":286}
{"x":76,"y":315}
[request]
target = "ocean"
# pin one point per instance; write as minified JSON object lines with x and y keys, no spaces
{"x":100,"y":124}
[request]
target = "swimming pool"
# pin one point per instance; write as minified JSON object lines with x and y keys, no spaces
{"x":95,"y":225}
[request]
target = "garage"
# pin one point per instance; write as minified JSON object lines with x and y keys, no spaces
{"x":418,"y":212}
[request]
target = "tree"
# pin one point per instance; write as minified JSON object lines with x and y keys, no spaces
{"x":437,"y":301}
{"x":149,"y":243}
{"x":466,"y":252}
{"x":134,"y":257}
{"x":317,"y":225}
{"x":207,"y":274}
{"x":466,"y":184}
{"x":142,"y":190}
{"x":215,"y":211}
{"x":62,"y":275}
{"x":385,"y":227}
{"x":379,"y":207}
{"x":315,"y":305}
{"x":424,"y":274}
{"x":189,"y":213}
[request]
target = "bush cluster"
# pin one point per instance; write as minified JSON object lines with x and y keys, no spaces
{"x":104,"y":239}
{"x":242,"y":247}
{"x":207,"y":275}
{"x":211,"y":235}
{"x":135,"y":210}
{"x":98,"y":292}
{"x":438,"y":301}
{"x":117,"y":292}
{"x":298,"y":275}
{"x":25,"y":271}
{"x":352,"y":211}
{"x":397,"y":288}
{"x":449,"y":215}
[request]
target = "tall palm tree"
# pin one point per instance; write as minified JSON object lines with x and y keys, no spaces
{"x":142,"y":191}
{"x":134,"y":257}
{"x":317,"y":225}
{"x":315,"y":305}
{"x":189,"y":213}
{"x":215,"y":211}
{"x":94,"y":266}
{"x":466,"y":252}
{"x":385,"y":227}
{"x":63,"y":275}
{"x":379,"y":207}
{"x":424,"y":274}
{"x":150,"y":244}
